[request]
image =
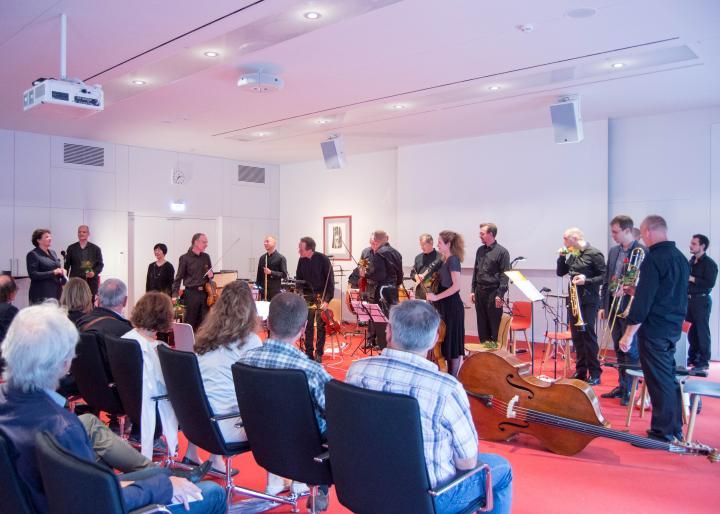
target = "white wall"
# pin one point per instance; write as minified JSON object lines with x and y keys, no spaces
{"x":663,"y":165}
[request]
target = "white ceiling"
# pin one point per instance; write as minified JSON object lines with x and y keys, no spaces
{"x":437,"y":58}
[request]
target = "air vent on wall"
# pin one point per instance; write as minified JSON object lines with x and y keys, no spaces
{"x":83,"y":154}
{"x":251,"y":174}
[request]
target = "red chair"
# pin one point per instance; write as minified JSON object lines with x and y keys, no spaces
{"x":564,"y":340}
{"x":521,"y":320}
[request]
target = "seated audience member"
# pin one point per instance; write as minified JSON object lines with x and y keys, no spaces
{"x":286,"y":323}
{"x":8,"y":290}
{"x":449,"y":435}
{"x":39,"y":348}
{"x":107,"y":318}
{"x":153,"y":313}
{"x":76,"y":298}
{"x":225,"y":336}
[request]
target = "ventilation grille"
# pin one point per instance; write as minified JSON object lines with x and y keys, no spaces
{"x":251,"y":174}
{"x":82,"y":154}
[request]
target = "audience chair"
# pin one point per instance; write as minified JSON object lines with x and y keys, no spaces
{"x":75,"y":485}
{"x":184,"y":337}
{"x":200,"y":426}
{"x":13,"y":497}
{"x":521,"y":320}
{"x":378,"y":470}
{"x":95,"y":385}
{"x":696,"y":389}
{"x":554,"y":341}
{"x":280,"y":423}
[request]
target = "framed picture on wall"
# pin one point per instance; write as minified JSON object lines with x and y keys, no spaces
{"x":337,"y":237}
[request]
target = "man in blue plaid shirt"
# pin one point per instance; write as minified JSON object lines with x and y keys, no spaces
{"x":286,"y":322}
{"x":449,"y":435}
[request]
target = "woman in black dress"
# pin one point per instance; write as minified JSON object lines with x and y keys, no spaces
{"x":161,"y":273}
{"x":46,"y":274}
{"x":447,"y":300}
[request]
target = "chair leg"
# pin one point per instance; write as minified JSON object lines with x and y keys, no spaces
{"x":231,"y":488}
{"x":643,"y":395}
{"x":313,"y":495}
{"x":693,"y":416}
{"x":631,"y":403}
{"x":543,"y":359}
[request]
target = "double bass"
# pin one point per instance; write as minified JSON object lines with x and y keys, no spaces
{"x":564,"y":416}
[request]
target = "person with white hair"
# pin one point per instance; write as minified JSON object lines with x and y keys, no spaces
{"x":38,"y":349}
{"x":449,"y":436}
{"x":107,"y":318}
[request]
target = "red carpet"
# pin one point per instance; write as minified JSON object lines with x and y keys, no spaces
{"x":608,"y":476}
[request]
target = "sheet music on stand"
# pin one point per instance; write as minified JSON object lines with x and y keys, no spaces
{"x":369,"y":312}
{"x":531,"y":293}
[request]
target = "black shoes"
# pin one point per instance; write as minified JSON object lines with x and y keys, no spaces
{"x":593,"y":381}
{"x":615,"y":393}
{"x":625,"y":401}
{"x":579,"y":376}
{"x":195,"y":474}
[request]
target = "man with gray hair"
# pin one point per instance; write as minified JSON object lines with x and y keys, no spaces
{"x":84,"y":259}
{"x":39,"y":348}
{"x":286,"y":321}
{"x":449,"y":435}
{"x":657,"y":316}
{"x":107,"y":318}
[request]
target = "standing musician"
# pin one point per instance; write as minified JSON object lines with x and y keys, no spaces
{"x":384,"y":274}
{"x":621,"y":230}
{"x":489,"y":283}
{"x":703,"y":273}
{"x":586,"y":267}
{"x":354,"y":277}
{"x":447,"y":300}
{"x":194,"y":270}
{"x":315,"y":271}
{"x":426,"y":262}
{"x":84,"y":260}
{"x":272,"y":267}
{"x":657,"y":316}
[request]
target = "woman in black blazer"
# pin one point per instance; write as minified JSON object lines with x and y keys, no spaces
{"x":46,"y":274}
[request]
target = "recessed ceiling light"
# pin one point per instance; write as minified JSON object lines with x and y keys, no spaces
{"x":581,"y":12}
{"x":494,"y":88}
{"x":212,"y":54}
{"x":312,"y":15}
{"x":617,"y":65}
{"x":261,"y":134}
{"x":399,"y":107}
{"x":139,"y":82}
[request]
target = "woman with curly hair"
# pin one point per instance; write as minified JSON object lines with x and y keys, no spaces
{"x":225,"y":336}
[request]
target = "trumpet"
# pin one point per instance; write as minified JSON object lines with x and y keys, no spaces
{"x":575,"y":308}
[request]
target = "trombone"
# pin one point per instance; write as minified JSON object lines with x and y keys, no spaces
{"x":629,"y":277}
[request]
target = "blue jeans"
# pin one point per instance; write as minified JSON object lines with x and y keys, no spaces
{"x":213,"y":500}
{"x":458,"y":498}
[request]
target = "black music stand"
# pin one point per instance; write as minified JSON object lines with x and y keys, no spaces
{"x":531,"y":293}
{"x":367,"y":312}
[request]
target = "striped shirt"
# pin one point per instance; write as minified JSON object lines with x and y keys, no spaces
{"x":447,"y":427}
{"x":277,"y":355}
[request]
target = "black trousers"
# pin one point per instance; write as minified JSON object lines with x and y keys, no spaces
{"x":313,"y":318}
{"x":586,"y":344}
{"x":629,"y":358}
{"x":385,"y":296}
{"x":657,"y":356}
{"x":196,"y":307}
{"x":488,"y":316}
{"x":698,"y":314}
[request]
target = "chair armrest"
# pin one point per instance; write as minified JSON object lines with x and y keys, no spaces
{"x":461,"y":477}
{"x":225,"y":416}
{"x":151,"y":508}
{"x":322,"y":457}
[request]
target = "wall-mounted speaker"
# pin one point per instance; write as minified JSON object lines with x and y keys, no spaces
{"x":567,"y":120}
{"x":333,"y":153}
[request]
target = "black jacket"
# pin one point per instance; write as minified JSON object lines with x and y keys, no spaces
{"x":44,"y":283}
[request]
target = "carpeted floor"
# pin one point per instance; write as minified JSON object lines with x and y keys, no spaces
{"x":607,"y":476}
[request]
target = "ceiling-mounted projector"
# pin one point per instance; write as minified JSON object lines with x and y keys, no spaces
{"x":260,"y":82}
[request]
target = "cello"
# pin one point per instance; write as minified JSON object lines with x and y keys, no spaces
{"x":564,"y":416}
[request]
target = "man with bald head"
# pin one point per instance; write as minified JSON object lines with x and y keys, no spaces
{"x":272,"y":267}
{"x":84,"y":259}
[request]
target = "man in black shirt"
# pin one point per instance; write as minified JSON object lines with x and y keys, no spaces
{"x":84,"y":259}
{"x":586,"y":267}
{"x":621,"y":229}
{"x":384,"y":274}
{"x":489,"y":283}
{"x":426,"y":263}
{"x":272,"y":267}
{"x":194,"y":270}
{"x":657,"y":316}
{"x":703,"y":273}
{"x":315,"y":271}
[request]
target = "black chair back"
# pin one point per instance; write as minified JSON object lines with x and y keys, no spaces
{"x":279,"y":420}
{"x":376,"y":450}
{"x":187,"y":396}
{"x":126,"y":363}
{"x":13,"y":497}
{"x":74,"y":485}
{"x":91,"y":376}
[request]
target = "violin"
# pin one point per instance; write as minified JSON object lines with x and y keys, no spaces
{"x":363,"y":264}
{"x":211,"y":289}
{"x":332,"y":326}
{"x":436,"y":355}
{"x":564,"y":416}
